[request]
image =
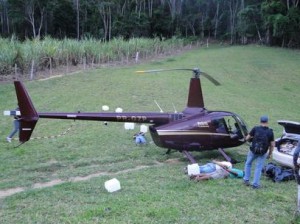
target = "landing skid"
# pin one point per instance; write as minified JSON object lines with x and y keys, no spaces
{"x":229,"y":159}
{"x":168,"y":152}
{"x":189,"y":156}
{"x":192,"y":160}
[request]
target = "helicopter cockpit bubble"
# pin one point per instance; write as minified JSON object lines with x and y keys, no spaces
{"x":240,"y":129}
{"x":223,"y":125}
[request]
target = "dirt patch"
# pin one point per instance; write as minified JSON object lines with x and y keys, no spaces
{"x":48,"y":184}
{"x":172,"y":161}
{"x":12,"y":191}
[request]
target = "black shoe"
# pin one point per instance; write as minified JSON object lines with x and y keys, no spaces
{"x":256,"y":187}
{"x":246,"y":183}
{"x":185,"y":170}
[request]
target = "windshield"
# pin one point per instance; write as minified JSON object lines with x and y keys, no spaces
{"x":242,"y":125}
{"x":232,"y":125}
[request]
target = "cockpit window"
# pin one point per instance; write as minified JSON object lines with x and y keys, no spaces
{"x":220,"y":125}
{"x":230,"y":125}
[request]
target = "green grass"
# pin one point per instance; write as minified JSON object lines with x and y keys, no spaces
{"x":255,"y":80}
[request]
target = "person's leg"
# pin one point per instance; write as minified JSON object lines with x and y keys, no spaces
{"x":202,"y":177}
{"x":248,"y":164}
{"x":15,"y":130}
{"x":260,"y":162}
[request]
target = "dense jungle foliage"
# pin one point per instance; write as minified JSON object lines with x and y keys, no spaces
{"x":39,"y":35}
{"x":270,"y":22}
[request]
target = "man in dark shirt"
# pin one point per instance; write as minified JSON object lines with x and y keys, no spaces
{"x":260,"y":158}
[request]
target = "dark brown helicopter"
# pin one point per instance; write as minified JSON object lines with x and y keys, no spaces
{"x":194,"y":129}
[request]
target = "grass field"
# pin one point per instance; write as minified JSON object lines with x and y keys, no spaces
{"x":61,"y":180}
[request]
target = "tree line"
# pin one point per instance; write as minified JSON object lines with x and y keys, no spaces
{"x":270,"y":22}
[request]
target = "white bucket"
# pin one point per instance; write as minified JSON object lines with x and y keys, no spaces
{"x":129,"y":126}
{"x":119,"y":110}
{"x":143,"y":128}
{"x":112,"y":185}
{"x":105,"y":107}
{"x":6,"y":113}
{"x":193,"y":169}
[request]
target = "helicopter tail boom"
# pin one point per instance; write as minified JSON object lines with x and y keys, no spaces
{"x":29,"y":116}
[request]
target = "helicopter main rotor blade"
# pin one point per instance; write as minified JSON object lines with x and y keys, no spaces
{"x":164,"y":70}
{"x":196,"y":72}
{"x":210,"y":78}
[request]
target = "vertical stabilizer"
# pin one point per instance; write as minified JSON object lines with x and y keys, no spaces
{"x":195,"y":98}
{"x":29,"y":116}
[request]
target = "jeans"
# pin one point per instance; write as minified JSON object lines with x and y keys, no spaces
{"x":140,"y":139}
{"x":207,"y":168}
{"x":260,"y":161}
{"x":16,"y":128}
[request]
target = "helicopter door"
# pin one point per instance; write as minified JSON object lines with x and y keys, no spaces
{"x":239,"y":129}
{"x":230,"y":125}
{"x":220,"y":126}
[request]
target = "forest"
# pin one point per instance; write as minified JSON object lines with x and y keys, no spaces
{"x":38,"y":36}
{"x":268,"y":22}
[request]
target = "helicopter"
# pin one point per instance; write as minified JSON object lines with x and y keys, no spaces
{"x":193,"y":129}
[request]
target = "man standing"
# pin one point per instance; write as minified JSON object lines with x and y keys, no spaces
{"x":16,"y":125}
{"x":262,"y":138}
{"x":296,"y":156}
{"x":296,"y":169}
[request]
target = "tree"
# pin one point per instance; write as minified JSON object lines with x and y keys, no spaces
{"x":161,"y":23}
{"x":77,"y":19}
{"x":233,"y":6}
{"x":191,"y":17}
{"x":4,"y":20}
{"x":105,"y":11}
{"x":217,"y":18}
{"x":250,"y":22}
{"x":31,"y":12}
{"x":63,"y":23}
{"x":36,"y":21}
{"x":274,"y":20}
{"x":294,"y":26}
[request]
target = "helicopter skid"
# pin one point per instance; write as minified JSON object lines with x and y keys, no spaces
{"x":192,"y":160}
{"x":189,"y":156}
{"x":228,"y":158}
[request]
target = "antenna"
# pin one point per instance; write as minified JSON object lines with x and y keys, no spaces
{"x":175,"y":111}
{"x":105,"y":108}
{"x":158,"y":106}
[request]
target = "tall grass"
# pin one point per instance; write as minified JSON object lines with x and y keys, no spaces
{"x":38,"y":55}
